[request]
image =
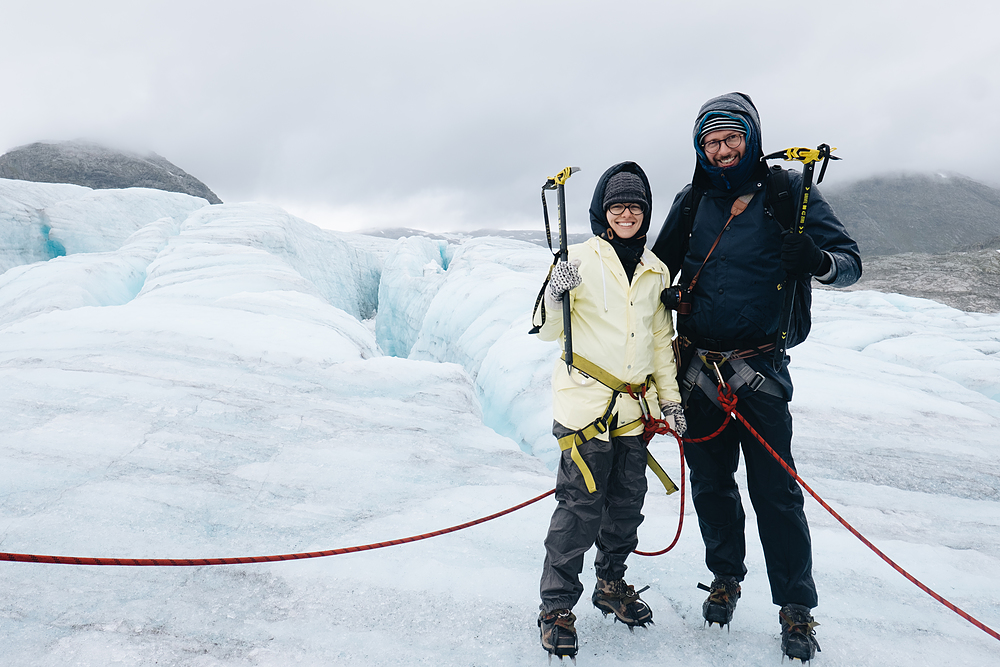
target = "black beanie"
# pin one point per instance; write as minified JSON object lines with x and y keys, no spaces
{"x":625,"y":188}
{"x":718,"y":120}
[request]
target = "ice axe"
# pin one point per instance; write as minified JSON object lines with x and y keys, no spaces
{"x":808,"y":157}
{"x":556,"y":183}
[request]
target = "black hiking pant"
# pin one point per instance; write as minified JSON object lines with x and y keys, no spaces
{"x":609,"y":517}
{"x":776,"y":497}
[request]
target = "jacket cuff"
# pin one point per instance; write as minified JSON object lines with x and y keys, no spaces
{"x":831,"y":273}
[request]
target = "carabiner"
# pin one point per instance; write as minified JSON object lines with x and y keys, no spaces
{"x":718,"y":373}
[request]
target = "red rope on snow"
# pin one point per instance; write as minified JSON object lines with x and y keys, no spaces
{"x":728,"y":401}
{"x":726,"y":398}
{"x":190,"y":562}
{"x":662,"y":427}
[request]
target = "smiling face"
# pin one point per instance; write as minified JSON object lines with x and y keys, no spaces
{"x":626,"y":224}
{"x":726,"y":157}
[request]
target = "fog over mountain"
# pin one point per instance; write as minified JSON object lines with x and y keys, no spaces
{"x":933,"y":213}
{"x":99,"y":167}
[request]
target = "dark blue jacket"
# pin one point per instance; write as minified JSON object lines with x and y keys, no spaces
{"x":737,"y":300}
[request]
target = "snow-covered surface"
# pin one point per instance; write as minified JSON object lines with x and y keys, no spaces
{"x":208,"y":385}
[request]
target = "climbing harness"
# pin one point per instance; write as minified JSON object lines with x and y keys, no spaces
{"x":601,"y":425}
{"x":708,"y":374}
{"x":809,"y":158}
{"x":557,"y":183}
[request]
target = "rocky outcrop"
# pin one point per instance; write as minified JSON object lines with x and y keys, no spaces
{"x":969,"y":281}
{"x":99,"y":167}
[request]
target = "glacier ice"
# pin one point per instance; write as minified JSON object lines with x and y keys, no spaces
{"x":210,"y":383}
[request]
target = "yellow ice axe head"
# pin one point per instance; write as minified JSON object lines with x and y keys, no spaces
{"x":561,"y":177}
{"x":805,"y":155}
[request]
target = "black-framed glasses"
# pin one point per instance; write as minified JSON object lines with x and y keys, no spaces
{"x":618,"y":209}
{"x":733,"y":141}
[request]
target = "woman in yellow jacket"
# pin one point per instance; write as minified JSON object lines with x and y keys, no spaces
{"x":621,"y":333}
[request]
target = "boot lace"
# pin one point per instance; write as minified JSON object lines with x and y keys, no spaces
{"x":721,"y":591}
{"x":623,"y":591}
{"x":564,"y":618}
{"x":798,"y":623}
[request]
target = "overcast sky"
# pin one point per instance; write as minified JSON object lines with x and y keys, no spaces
{"x":451,"y":115}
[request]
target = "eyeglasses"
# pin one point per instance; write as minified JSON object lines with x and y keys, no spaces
{"x":733,"y":141}
{"x":618,"y":209}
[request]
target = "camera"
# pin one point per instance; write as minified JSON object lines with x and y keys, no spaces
{"x":677,"y":298}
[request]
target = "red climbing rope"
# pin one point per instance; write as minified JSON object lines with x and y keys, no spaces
{"x":728,"y":401}
{"x":190,"y":562}
{"x":660,"y":426}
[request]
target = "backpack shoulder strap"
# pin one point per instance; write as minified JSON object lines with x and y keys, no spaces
{"x":780,"y":199}
{"x":672,"y":247}
{"x":689,"y":207}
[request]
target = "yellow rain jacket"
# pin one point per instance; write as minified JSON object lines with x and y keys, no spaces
{"x":621,"y":327}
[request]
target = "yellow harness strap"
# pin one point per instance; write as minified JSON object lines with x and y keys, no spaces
{"x":665,"y":480}
{"x":607,"y":379}
{"x":573,"y":441}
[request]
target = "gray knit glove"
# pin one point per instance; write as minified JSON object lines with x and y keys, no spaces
{"x":673,"y":413}
{"x":565,"y":276}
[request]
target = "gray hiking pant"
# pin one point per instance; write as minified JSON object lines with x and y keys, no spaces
{"x":610,"y":516}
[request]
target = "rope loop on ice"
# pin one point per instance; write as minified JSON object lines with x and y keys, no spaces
{"x":728,"y":401}
{"x":243,"y":560}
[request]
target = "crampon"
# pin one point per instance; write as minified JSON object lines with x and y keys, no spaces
{"x":798,"y":636}
{"x":721,"y":602}
{"x":558,"y":633}
{"x":618,"y":598}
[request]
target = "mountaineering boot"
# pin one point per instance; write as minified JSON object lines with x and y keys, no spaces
{"x":618,"y":598}
{"x":558,"y":633}
{"x":721,"y":601}
{"x":798,"y":638}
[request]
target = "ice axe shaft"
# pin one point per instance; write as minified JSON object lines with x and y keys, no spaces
{"x":808,"y":157}
{"x":557,"y":183}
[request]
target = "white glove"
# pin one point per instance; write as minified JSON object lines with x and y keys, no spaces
{"x":565,"y":276}
{"x":673,"y":414}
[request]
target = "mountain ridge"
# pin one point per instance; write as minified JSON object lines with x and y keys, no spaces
{"x":99,"y":167}
{"x":898,"y":213}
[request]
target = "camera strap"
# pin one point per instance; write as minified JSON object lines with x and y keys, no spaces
{"x":738,"y":207}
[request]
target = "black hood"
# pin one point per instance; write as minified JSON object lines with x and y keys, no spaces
{"x":740,"y":105}
{"x":599,"y":220}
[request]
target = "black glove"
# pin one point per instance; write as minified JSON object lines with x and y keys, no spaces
{"x":799,"y":255}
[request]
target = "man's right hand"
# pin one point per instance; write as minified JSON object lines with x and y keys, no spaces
{"x":800,"y":255}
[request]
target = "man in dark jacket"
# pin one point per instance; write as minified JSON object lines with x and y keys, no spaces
{"x":731,"y":272}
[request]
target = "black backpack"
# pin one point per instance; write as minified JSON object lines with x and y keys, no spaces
{"x":780,"y":205}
